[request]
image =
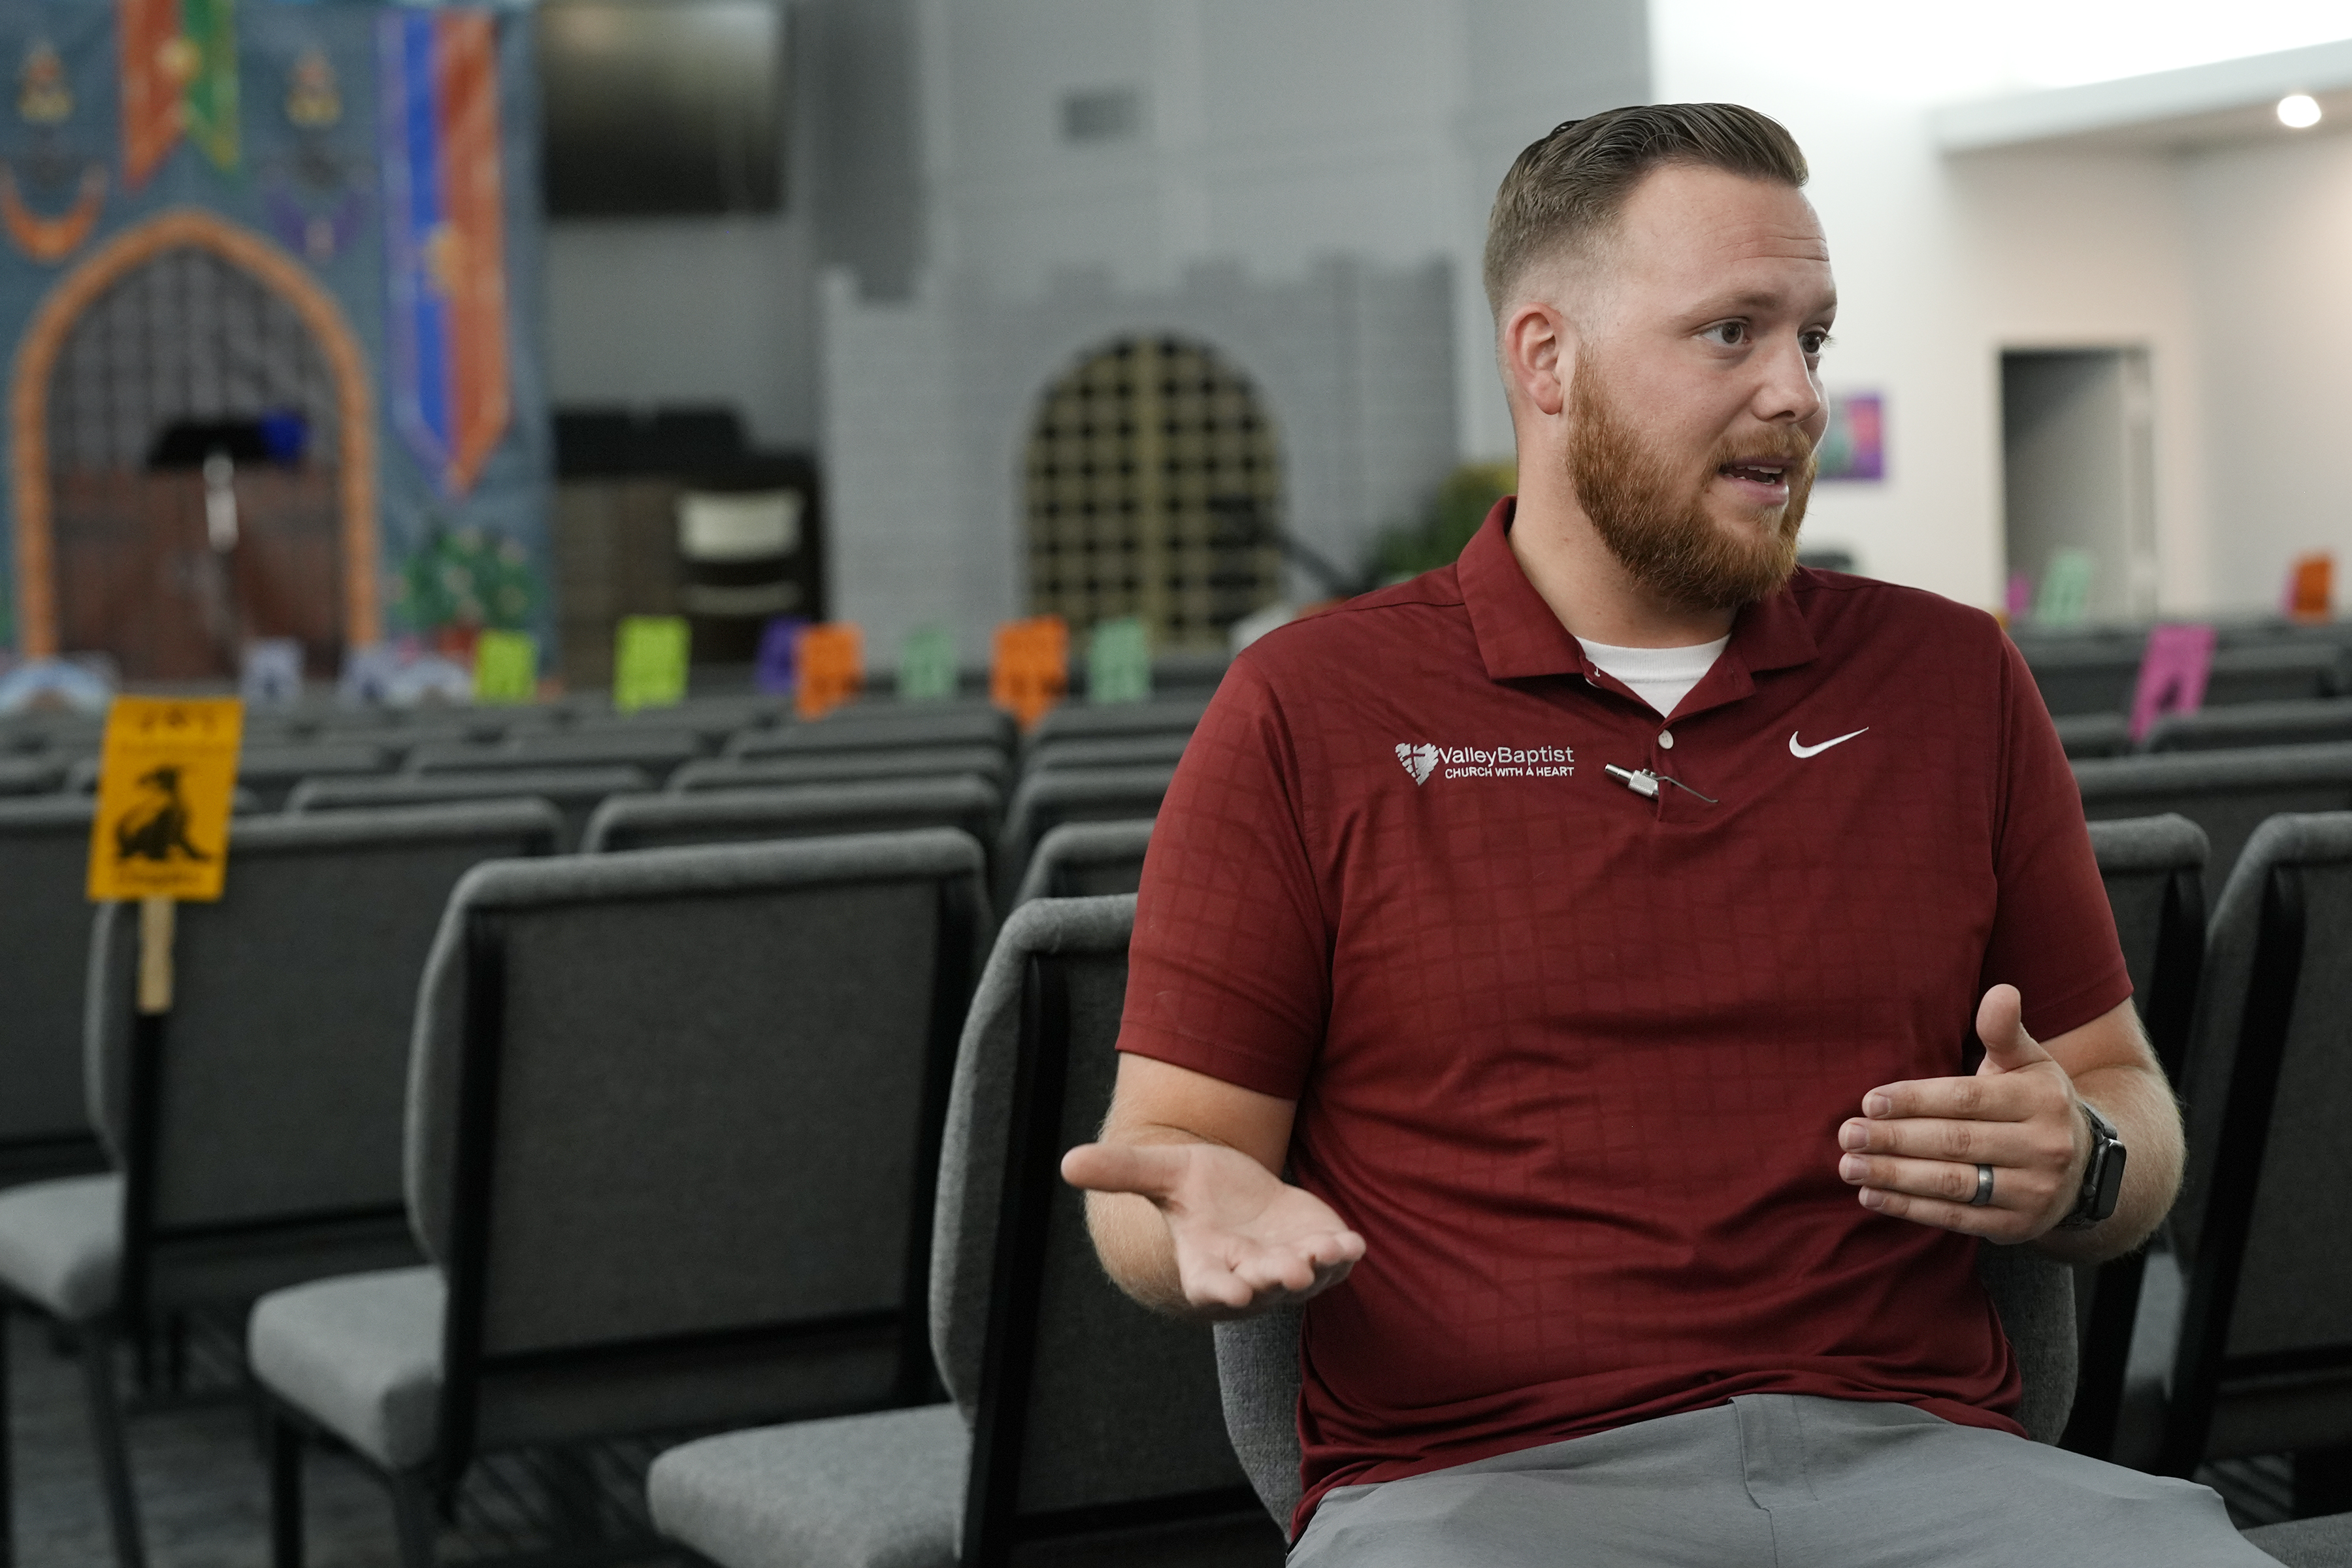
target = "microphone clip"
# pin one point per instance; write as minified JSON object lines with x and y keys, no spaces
{"x":1644,"y":782}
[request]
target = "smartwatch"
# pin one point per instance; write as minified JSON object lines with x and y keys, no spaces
{"x":2102,"y":1178}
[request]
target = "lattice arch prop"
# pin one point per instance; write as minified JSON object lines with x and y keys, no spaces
{"x":1154,"y":490}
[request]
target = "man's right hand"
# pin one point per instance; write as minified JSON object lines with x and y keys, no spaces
{"x":1245,"y":1240}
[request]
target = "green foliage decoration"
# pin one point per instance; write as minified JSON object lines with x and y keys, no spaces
{"x":466,"y":577}
{"x":1461,"y":505}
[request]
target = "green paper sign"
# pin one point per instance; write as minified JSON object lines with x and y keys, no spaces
{"x":505,"y":667}
{"x":649,"y":658}
{"x":2066,"y":597}
{"x":1119,"y":662}
{"x":927,"y":666}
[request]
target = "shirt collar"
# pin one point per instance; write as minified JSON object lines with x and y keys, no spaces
{"x":1519,"y":637}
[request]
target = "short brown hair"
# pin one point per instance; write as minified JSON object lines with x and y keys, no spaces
{"x":1570,"y":184}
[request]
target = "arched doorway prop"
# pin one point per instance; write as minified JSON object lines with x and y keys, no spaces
{"x":224,"y":236}
{"x":1154,"y":488}
{"x":127,"y":372}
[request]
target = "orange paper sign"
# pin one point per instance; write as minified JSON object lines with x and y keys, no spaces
{"x":164,"y":783}
{"x":1030,"y":669}
{"x":829,"y":666}
{"x":2311,"y":588}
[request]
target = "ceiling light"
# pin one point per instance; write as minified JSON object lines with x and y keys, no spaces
{"x":2298,"y":110}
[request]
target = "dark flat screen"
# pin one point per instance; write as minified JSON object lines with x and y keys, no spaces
{"x":662,"y":106}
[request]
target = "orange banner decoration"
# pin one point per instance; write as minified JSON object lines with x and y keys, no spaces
{"x":829,"y":665}
{"x":1029,"y":670}
{"x":51,"y":239}
{"x":155,"y":66}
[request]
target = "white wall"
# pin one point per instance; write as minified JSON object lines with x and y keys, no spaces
{"x":2271,"y":249}
{"x":1943,"y":262}
{"x":1274,"y":132}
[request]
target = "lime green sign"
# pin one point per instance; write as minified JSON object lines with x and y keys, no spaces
{"x":649,"y":660}
{"x":927,"y":666}
{"x":1119,"y":662}
{"x":505,"y":667}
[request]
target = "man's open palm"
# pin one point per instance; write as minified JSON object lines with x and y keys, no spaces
{"x":1246,"y":1239}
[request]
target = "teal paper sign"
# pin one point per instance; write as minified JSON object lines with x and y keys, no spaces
{"x":927,"y":666}
{"x":1119,"y":662}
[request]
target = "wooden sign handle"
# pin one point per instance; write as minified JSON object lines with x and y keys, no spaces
{"x":155,"y":922}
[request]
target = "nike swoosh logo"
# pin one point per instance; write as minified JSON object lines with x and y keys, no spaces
{"x":1797,"y":751}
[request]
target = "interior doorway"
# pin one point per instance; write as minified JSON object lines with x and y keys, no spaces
{"x":1154,"y":490}
{"x":2078,"y":470}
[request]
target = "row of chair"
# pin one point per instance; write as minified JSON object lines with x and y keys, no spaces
{"x":565,"y":1146}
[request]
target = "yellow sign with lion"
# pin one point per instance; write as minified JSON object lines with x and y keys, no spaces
{"x":164,"y":784}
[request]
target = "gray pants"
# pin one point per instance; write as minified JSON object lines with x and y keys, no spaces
{"x":1777,"y":1480}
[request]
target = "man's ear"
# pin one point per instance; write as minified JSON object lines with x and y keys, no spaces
{"x":1538,"y":348}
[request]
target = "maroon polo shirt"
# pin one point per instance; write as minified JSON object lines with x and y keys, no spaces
{"x":1572,"y":1060}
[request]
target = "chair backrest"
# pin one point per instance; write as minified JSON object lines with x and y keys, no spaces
{"x":1087,"y":860}
{"x":673,"y":1130}
{"x":2092,"y":676}
{"x":2227,"y":794}
{"x":989,"y":763}
{"x":1085,"y":1408}
{"x":2307,"y":722}
{"x":2154,"y":871}
{"x":800,"y":811}
{"x":2274,"y":672}
{"x":576,"y":793}
{"x":2085,"y":735}
{"x":23,"y":775}
{"x":272,"y":1104}
{"x":1109,"y":751}
{"x":882,"y":730}
{"x":1100,"y":721}
{"x":2265,"y":1221}
{"x":271,"y":773}
{"x":657,"y":751}
{"x":1045,"y":801}
{"x":44,"y":954}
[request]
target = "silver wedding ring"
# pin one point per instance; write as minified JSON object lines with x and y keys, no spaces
{"x":1984,"y":1188}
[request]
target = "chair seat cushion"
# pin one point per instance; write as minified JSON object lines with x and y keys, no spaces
{"x":884,"y":1490}
{"x":61,"y":1244}
{"x":361,"y":1355}
{"x":2308,"y":1542}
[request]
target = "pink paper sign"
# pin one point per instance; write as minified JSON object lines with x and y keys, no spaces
{"x":2171,"y":676}
{"x":2020,"y":600}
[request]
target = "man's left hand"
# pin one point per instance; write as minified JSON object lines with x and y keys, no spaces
{"x":1915,"y":1148}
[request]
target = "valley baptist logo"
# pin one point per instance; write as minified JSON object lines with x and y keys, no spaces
{"x":1485,"y":762}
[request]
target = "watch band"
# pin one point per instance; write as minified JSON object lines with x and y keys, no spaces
{"x":2103,"y":1176}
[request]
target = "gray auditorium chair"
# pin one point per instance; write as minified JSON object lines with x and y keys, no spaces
{"x":272,"y":773}
{"x":44,"y":951}
{"x":2154,"y":871}
{"x":883,"y":728}
{"x":2095,"y":676}
{"x":1101,"y":720}
{"x":256,"y":1128}
{"x":576,"y":793}
{"x":1072,"y":1409}
{"x":2251,"y":1357}
{"x":1087,"y":860}
{"x":1108,"y":751}
{"x":1046,"y":800}
{"x":671,"y":1144}
{"x":2227,"y":794}
{"x":2274,"y":672}
{"x":799,"y":811}
{"x":2095,"y":734}
{"x":23,"y":775}
{"x":2253,"y":724}
{"x":657,"y":752}
{"x":989,"y":763}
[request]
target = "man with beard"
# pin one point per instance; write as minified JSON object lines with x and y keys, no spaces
{"x":1615,"y":1043}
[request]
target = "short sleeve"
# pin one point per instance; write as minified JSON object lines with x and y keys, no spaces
{"x":1230,"y":969}
{"x":2053,"y":933}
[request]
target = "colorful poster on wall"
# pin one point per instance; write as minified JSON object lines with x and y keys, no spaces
{"x":1855,"y":445}
{"x":444,"y":235}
